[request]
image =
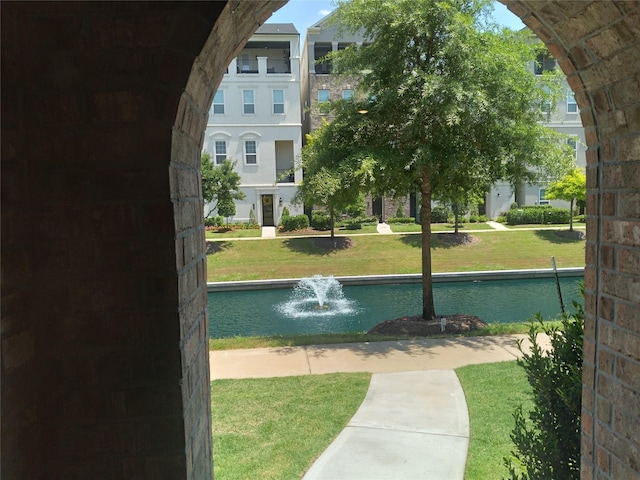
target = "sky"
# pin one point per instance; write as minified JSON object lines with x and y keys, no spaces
{"x":304,"y":13}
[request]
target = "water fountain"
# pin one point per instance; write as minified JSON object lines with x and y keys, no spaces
{"x":316,"y":296}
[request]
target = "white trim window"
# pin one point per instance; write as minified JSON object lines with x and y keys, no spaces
{"x":541,"y":197}
{"x":278,"y":102}
{"x":572,"y":105}
{"x":572,"y":141}
{"x":248,"y":102}
{"x":324,"y":101}
{"x":347,"y":94}
{"x":220,"y":151}
{"x":218,"y":103}
{"x":251,"y":152}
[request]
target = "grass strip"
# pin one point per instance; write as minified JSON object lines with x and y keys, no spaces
{"x":275,"y":428}
{"x":236,"y":343}
{"x":492,"y":391}
{"x":390,"y":254}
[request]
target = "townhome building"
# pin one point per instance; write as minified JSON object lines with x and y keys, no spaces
{"x":320,"y":86}
{"x":564,"y":118}
{"x":255,"y":120}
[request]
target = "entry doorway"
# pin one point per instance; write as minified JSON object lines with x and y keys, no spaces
{"x":267,"y":210}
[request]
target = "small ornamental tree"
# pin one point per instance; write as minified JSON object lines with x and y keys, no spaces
{"x":220,"y":185}
{"x":571,"y":188}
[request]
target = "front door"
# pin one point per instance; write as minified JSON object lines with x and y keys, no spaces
{"x":267,"y":211}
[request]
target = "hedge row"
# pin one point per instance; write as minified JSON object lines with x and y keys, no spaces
{"x":538,"y":215}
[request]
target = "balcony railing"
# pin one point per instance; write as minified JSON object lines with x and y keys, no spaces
{"x":285,"y":176}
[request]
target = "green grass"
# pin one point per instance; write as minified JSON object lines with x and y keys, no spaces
{"x":450,"y":227}
{"x":389,"y":254}
{"x":235,"y":343}
{"x":558,"y":226}
{"x":275,"y":428}
{"x":234,"y":233}
{"x":492,"y":391}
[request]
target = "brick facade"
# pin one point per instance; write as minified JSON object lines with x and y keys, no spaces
{"x":596,"y":43}
{"x":104,"y":330}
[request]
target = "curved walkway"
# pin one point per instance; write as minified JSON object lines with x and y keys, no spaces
{"x":413,"y":423}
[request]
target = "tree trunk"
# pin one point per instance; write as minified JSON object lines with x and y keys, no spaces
{"x":331,"y":222}
{"x":456,"y":210}
{"x":428,"y":311}
{"x":571,"y":216}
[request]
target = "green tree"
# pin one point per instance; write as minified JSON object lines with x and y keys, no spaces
{"x":220,"y":185}
{"x":450,"y":103}
{"x":571,"y":188}
{"x":333,"y":177}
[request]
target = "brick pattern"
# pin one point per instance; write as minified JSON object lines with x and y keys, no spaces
{"x":603,"y":70}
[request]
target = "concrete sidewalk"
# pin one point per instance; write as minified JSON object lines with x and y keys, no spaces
{"x":413,"y":423}
{"x":374,"y":357}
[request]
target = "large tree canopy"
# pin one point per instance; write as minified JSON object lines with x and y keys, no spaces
{"x":449,"y":100}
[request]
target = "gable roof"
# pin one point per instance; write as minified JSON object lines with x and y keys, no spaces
{"x":277,"y":29}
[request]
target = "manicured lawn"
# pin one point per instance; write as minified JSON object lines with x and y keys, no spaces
{"x":388,"y":254}
{"x":492,"y":391}
{"x":450,"y":227}
{"x":564,"y":226}
{"x":233,"y":233}
{"x":232,"y":343}
{"x":275,"y":428}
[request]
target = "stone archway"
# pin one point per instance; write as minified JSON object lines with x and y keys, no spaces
{"x":103,"y":333}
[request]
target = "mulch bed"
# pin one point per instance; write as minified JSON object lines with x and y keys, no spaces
{"x":416,"y":326}
{"x":573,"y":235}
{"x":336,"y":243}
{"x":457,"y":239}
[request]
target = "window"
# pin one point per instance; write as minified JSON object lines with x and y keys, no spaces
{"x":572,"y":106}
{"x":347,"y":94}
{"x":218,"y":103}
{"x":324,"y":99}
{"x":543,"y":63}
{"x":541,"y":194}
{"x":248,"y":102}
{"x":572,"y":141}
{"x":250,"y":152}
{"x":278,"y":102}
{"x":220,"y":147}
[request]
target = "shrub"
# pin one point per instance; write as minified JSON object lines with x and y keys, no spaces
{"x":213,"y":221}
{"x":353,"y":226}
{"x":297,"y":222}
{"x":547,"y":441}
{"x":320,"y":220}
{"x":401,"y":220}
{"x":440,"y":214}
{"x":514,"y":206}
{"x":578,"y":219}
{"x":400,"y":211}
{"x":501,"y":219}
{"x":253,"y":222}
{"x":285,"y":212}
{"x":537,"y":214}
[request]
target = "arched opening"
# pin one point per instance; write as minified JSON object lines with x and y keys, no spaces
{"x":103,"y":334}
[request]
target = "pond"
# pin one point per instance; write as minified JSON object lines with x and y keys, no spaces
{"x":264,"y":312}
